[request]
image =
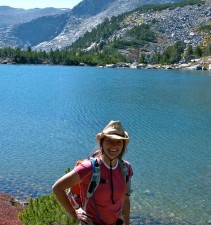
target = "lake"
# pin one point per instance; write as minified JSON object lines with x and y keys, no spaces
{"x":50,"y":115}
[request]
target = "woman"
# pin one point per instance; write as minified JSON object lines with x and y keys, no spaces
{"x":110,"y":203}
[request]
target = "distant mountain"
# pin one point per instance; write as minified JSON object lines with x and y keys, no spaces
{"x":11,"y":16}
{"x":59,"y":31}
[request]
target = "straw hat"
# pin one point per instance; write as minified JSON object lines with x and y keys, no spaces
{"x":114,"y":130}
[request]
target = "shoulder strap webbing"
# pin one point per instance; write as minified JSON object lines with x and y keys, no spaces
{"x":95,"y":180}
{"x":125,"y":173}
{"x":124,"y":170}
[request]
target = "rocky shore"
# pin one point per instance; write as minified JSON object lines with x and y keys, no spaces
{"x":9,"y":210}
{"x":196,"y":64}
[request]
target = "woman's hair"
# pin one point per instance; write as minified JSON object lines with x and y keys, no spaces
{"x":100,"y":152}
{"x":97,"y":153}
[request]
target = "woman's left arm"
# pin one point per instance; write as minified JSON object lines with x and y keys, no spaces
{"x":126,"y":207}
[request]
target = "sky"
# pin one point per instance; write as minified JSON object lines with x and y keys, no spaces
{"x":29,"y":4}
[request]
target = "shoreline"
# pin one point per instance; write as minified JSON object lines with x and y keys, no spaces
{"x":203,"y":63}
{"x":11,"y":207}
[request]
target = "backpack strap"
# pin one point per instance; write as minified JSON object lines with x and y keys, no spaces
{"x":95,"y":180}
{"x":125,"y":173}
{"x":124,"y":170}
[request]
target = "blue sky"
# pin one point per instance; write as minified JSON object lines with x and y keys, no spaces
{"x":28,"y":4}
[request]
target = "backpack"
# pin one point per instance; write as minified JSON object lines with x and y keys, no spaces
{"x":74,"y":192}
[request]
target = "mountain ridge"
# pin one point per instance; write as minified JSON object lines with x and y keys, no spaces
{"x":82,"y":18}
{"x":10,"y":16}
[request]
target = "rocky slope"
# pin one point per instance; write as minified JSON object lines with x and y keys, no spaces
{"x":170,"y":26}
{"x":69,"y":26}
{"x":78,"y":24}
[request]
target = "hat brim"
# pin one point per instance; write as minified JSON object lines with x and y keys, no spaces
{"x":99,"y":136}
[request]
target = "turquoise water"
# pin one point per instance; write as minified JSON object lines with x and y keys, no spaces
{"x":49,"y":116}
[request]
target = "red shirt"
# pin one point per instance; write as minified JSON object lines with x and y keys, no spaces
{"x":109,"y":212}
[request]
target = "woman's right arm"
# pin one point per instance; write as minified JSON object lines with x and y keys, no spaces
{"x":68,"y":180}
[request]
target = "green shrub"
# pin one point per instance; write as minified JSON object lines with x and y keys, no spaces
{"x":45,"y":210}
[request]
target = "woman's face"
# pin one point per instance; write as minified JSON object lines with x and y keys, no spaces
{"x":112,"y":147}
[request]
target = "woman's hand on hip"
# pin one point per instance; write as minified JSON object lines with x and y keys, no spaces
{"x":83,"y":216}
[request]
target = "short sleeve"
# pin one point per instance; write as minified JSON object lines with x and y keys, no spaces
{"x":84,"y":169}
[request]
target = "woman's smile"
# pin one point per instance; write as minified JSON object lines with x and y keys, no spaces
{"x":113,"y":152}
{"x":112,"y":147}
